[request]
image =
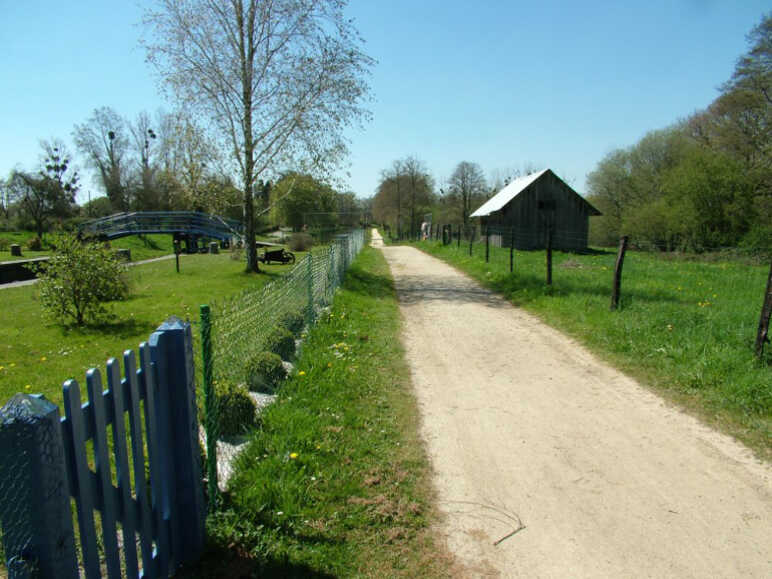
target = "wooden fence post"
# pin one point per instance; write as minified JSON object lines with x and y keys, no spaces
{"x":512,"y":250}
{"x":37,"y":529}
{"x":766,"y":310}
{"x":487,"y":244}
{"x":458,"y":242}
{"x":618,"y":272}
{"x":549,"y":255}
{"x":471,"y":238}
{"x":171,"y":349}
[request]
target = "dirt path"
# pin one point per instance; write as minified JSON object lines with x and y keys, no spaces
{"x":526,"y":430}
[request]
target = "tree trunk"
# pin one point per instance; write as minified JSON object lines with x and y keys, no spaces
{"x":247,"y":49}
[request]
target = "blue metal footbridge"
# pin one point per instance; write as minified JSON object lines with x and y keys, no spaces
{"x":188,"y":226}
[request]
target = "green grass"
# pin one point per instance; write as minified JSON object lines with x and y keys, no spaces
{"x":335,"y":483}
{"x":685,"y":328}
{"x":145,"y":247}
{"x":37,"y":355}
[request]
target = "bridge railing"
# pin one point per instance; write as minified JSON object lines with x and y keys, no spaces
{"x":189,"y":222}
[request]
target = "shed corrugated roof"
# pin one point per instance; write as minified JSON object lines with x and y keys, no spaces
{"x":506,"y":195}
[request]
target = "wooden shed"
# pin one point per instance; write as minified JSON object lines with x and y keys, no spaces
{"x":534,"y":207}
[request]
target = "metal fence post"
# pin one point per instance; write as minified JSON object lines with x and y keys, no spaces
{"x":171,"y":347}
{"x":310,"y":274}
{"x":210,"y":409}
{"x":37,"y":529}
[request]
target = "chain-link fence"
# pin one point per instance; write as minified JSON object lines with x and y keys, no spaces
{"x":249,"y":341}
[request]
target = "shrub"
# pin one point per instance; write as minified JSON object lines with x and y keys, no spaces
{"x":264,"y":372}
{"x":301,"y":242}
{"x":294,"y":322}
{"x":78,"y":280}
{"x":5,"y":243}
{"x":281,"y":342}
{"x":235,"y":409}
{"x":35,"y":244}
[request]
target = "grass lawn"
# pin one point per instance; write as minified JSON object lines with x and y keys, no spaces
{"x":145,"y":247}
{"x":685,"y":328}
{"x":36,"y":355}
{"x":335,"y":483}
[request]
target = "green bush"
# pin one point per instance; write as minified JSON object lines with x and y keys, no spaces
{"x":301,"y":242}
{"x":235,"y":409}
{"x":78,"y":280}
{"x":294,"y":322}
{"x":281,"y":342}
{"x":264,"y":372}
{"x":35,"y":244}
{"x":5,"y":243}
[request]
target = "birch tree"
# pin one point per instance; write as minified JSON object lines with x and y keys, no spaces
{"x":279,"y":79}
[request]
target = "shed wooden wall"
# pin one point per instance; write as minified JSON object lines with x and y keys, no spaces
{"x":570,"y":219}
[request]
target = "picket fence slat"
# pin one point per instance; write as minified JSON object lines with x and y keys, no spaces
{"x":104,"y":478}
{"x":132,"y":379}
{"x":84,"y":499}
{"x":123,"y":476}
{"x":156,"y":491}
{"x":161,"y":556}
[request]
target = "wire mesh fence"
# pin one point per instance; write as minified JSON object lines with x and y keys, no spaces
{"x":249,"y":342}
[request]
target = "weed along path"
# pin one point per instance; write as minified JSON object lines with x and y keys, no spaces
{"x":549,"y":463}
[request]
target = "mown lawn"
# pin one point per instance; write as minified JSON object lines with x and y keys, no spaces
{"x":145,"y":247}
{"x":685,"y":327}
{"x":37,"y":355}
{"x":335,"y":483}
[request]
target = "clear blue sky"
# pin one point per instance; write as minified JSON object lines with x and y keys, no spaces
{"x":553,"y":84}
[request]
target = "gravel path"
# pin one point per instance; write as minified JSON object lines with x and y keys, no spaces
{"x":549,"y":463}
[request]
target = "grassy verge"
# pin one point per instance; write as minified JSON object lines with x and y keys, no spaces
{"x":335,"y":483}
{"x":684,"y":328}
{"x":37,"y":355}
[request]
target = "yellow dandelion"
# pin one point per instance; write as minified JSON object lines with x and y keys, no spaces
{"x":293,"y":455}
{"x":43,"y":358}
{"x":301,"y":373}
{"x":28,"y":386}
{"x":329,"y":364}
{"x":12,"y":364}
{"x":2,"y":368}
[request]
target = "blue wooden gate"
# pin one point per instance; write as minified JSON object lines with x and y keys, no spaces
{"x":129,"y":454}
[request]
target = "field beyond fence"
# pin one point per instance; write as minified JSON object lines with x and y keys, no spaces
{"x":683,"y":326}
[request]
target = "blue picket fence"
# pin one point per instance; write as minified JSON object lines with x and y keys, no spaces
{"x":146,"y":486}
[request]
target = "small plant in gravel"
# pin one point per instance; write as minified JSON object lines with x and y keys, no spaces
{"x":281,"y":342}
{"x":235,"y":409}
{"x":264,"y":372}
{"x":294,"y":322}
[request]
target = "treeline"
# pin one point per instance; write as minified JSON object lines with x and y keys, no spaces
{"x":704,"y":183}
{"x":407,"y":192}
{"x":163,"y":163}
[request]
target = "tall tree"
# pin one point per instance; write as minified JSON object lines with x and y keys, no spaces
{"x":50,"y":192}
{"x":466,"y":187}
{"x":280,"y":79}
{"x":103,"y":140}
{"x":145,"y":194}
{"x":753,"y":71}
